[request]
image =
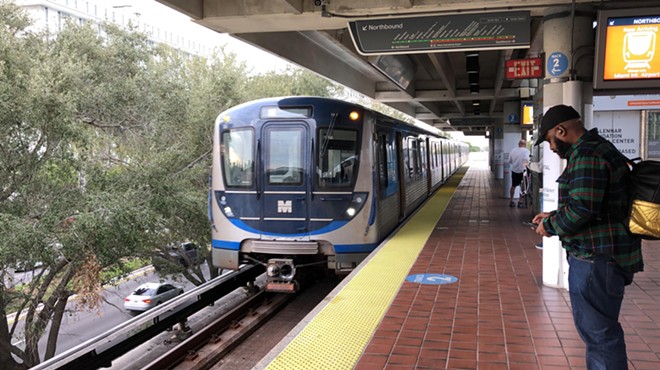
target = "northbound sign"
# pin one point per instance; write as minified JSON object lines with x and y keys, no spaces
{"x":507,"y":30}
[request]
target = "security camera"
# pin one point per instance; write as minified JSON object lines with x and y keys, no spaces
{"x":317,"y":2}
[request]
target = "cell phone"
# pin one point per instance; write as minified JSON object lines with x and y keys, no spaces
{"x":531,"y":225}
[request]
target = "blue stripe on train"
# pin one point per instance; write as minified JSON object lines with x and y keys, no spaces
{"x":224,"y":244}
{"x":339,"y":248}
{"x":355,"y":248}
{"x":334,"y":225}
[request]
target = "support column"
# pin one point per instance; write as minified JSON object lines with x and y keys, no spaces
{"x":568,"y":46}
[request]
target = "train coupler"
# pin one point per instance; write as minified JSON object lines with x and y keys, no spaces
{"x":281,"y":273}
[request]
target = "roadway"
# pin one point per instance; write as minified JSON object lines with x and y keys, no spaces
{"x":80,"y":325}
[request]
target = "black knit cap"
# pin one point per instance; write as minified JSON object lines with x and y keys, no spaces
{"x":553,"y":117}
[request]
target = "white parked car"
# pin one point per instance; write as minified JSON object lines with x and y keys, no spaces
{"x":150,"y":295}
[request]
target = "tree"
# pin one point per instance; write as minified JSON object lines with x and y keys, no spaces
{"x":105,"y":147}
{"x":64,"y":201}
{"x":293,"y":81}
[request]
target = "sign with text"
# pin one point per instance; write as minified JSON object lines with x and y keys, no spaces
{"x":632,"y":48}
{"x":622,"y":128}
{"x":506,"y":30}
{"x":524,"y":68}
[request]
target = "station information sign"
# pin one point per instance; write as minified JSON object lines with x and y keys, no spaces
{"x":504,"y":30}
{"x":524,"y":68}
{"x":632,"y":48}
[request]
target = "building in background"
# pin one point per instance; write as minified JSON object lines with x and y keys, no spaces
{"x":51,"y":16}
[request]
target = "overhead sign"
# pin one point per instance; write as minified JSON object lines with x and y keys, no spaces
{"x":524,"y":68}
{"x":506,"y":30}
{"x":632,"y":48}
{"x":434,"y":279}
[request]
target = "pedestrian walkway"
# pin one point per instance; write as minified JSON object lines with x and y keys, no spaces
{"x":498,"y":315}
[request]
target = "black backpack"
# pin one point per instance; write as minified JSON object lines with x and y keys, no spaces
{"x":643,"y":217}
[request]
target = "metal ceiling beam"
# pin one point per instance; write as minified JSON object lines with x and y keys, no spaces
{"x":442,"y":65}
{"x":424,"y":116}
{"x":499,"y":78}
{"x":443,"y":95}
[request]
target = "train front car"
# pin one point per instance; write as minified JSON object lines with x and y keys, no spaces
{"x":290,"y":189}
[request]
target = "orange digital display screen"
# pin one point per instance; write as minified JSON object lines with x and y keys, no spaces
{"x":528,"y":115}
{"x":632,"y":48}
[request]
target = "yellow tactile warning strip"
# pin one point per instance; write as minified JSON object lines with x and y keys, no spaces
{"x":337,"y":336}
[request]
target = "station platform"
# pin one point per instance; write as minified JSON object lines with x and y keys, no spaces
{"x":460,"y":287}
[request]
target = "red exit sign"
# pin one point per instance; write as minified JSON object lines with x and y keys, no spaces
{"x":524,"y":68}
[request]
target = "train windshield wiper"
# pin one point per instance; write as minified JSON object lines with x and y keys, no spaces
{"x":326,"y":139}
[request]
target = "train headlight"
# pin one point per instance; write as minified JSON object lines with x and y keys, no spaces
{"x":222,"y":203}
{"x":227,"y":211}
{"x":357,"y":202}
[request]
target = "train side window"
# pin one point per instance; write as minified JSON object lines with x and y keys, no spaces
{"x":414,"y":154}
{"x":337,"y":160}
{"x":237,"y":153}
{"x":422,"y":155}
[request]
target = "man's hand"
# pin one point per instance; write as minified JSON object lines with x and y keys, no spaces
{"x":541,"y":230}
{"x":538,"y":220}
{"x":540,"y":217}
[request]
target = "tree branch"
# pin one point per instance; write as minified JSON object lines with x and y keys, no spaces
{"x":193,"y":163}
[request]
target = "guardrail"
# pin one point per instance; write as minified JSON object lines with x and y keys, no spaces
{"x":104,"y":348}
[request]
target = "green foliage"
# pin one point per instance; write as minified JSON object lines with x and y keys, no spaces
{"x":105,"y":143}
{"x":293,"y":81}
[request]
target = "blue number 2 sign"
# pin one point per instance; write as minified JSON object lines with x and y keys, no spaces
{"x":557,"y":64}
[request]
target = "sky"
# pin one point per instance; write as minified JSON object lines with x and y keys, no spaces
{"x":156,"y":14}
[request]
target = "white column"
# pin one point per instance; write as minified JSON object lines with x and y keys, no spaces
{"x":564,"y":40}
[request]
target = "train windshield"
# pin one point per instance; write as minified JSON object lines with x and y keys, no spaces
{"x":238,"y":157}
{"x":337,"y":161}
{"x":285,"y":156}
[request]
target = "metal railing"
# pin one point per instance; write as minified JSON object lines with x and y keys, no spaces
{"x":104,"y":348}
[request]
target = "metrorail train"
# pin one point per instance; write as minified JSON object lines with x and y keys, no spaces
{"x":308,"y":181}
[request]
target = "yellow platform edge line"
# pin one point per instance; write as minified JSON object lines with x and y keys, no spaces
{"x":337,"y":336}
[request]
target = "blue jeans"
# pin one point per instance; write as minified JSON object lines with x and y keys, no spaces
{"x":596,"y":289}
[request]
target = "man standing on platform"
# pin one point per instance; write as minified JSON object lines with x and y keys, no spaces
{"x":518,"y":158}
{"x":602,"y":254}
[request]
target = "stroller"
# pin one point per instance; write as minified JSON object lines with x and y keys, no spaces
{"x":525,"y":198}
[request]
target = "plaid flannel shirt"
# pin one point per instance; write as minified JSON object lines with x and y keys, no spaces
{"x":593,"y":199}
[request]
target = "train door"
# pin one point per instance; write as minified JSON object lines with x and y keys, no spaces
{"x":285,"y":160}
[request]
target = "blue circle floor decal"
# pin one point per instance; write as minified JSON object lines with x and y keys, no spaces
{"x":435,"y":279}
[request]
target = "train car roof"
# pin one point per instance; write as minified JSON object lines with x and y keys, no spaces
{"x":245,"y":108}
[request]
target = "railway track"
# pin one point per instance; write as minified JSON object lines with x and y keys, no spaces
{"x":208,"y":346}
